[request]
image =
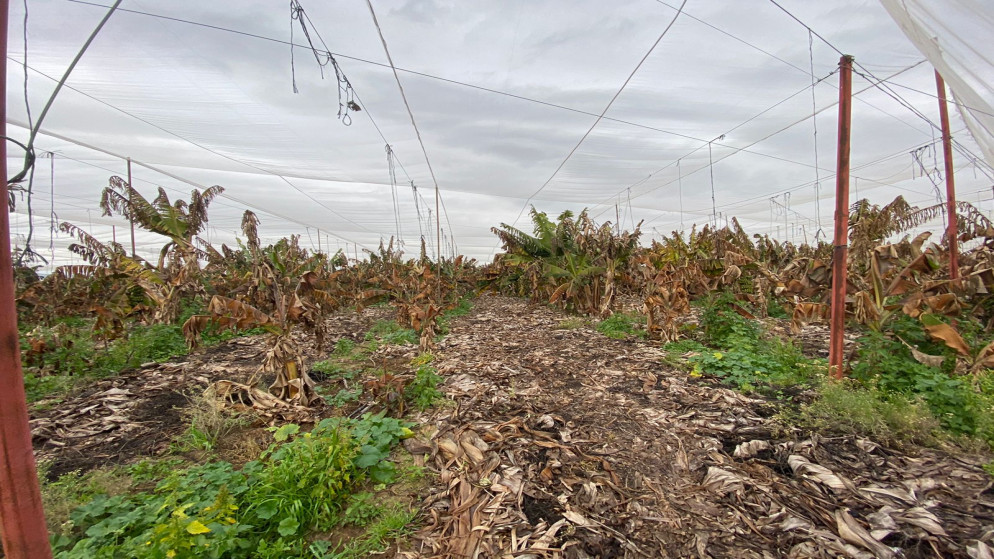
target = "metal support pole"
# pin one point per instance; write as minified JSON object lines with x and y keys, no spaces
{"x":952,"y":232}
{"x":22,"y":521}
{"x":840,"y":254}
{"x":438,"y":242}
{"x":130,"y":220}
{"x":438,"y":227}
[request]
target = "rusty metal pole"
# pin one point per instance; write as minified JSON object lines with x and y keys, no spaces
{"x":952,"y":232}
{"x":840,"y":254}
{"x":130,"y":220}
{"x":22,"y":521}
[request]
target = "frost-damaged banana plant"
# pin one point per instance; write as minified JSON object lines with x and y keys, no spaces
{"x":112,"y":286}
{"x":572,"y":263}
{"x":181,"y":222}
{"x":289,"y":288}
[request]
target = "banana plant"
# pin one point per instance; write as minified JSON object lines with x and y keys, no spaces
{"x":969,"y":360}
{"x":288,"y":288}
{"x":180,"y":221}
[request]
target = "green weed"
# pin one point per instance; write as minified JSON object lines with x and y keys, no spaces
{"x":423,"y":390}
{"x":888,"y":366}
{"x":344,"y":347}
{"x":342,"y":396}
{"x":209,"y":424}
{"x":622,"y":325}
{"x":571,"y":323}
{"x":393,"y":524}
{"x":76,"y":355}
{"x":848,"y":408}
{"x":361,"y":510}
{"x":303,"y":482}
{"x":389,"y":332}
{"x":739,"y":354}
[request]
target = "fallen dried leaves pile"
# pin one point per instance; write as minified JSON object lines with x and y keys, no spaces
{"x":567,"y":444}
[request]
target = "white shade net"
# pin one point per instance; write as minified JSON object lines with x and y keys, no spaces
{"x":201,"y":93}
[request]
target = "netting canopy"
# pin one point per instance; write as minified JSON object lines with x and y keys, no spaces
{"x":634,"y":110}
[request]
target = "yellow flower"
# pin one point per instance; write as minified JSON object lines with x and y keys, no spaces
{"x":718,"y":355}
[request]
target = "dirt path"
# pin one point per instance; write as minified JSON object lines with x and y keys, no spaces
{"x":564,"y":443}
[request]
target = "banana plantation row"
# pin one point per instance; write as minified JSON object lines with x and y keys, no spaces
{"x":900,"y":296}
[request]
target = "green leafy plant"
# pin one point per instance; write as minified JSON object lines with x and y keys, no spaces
{"x":344,"y":347}
{"x":361,"y":510}
{"x":423,"y":390}
{"x":722,"y":326}
{"x":750,"y":366}
{"x":622,"y":325}
{"x":303,"y":482}
{"x":389,"y":332}
{"x":740,"y":355}
{"x":889,"y":365}
{"x":376,"y":435}
{"x":850,"y":408}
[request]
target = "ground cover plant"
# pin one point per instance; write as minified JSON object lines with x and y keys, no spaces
{"x":303,"y":482}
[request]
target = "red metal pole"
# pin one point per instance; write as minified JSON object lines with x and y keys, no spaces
{"x":840,"y":255}
{"x":952,"y":232}
{"x":22,"y":521}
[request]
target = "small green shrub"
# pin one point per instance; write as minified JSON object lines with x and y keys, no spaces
{"x":265,"y":509}
{"x":343,"y":396}
{"x":423,"y":390}
{"x":344,"y":347}
{"x":361,"y":510}
{"x":622,"y":325}
{"x":71,"y":490}
{"x":887,"y":365}
{"x":39,"y":387}
{"x":775,"y":309}
{"x":740,"y":355}
{"x":333,"y":370}
{"x":389,"y":332}
{"x":846,"y":407}
{"x":723,"y":327}
{"x":746,"y":367}
{"x":77,"y":355}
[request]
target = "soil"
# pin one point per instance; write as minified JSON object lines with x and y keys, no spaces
{"x":565,"y":443}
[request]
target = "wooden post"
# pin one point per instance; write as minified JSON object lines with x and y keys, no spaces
{"x":22,"y":521}
{"x":840,"y":254}
{"x":129,"y":218}
{"x":952,"y":231}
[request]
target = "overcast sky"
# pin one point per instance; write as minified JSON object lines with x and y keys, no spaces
{"x":209,"y":106}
